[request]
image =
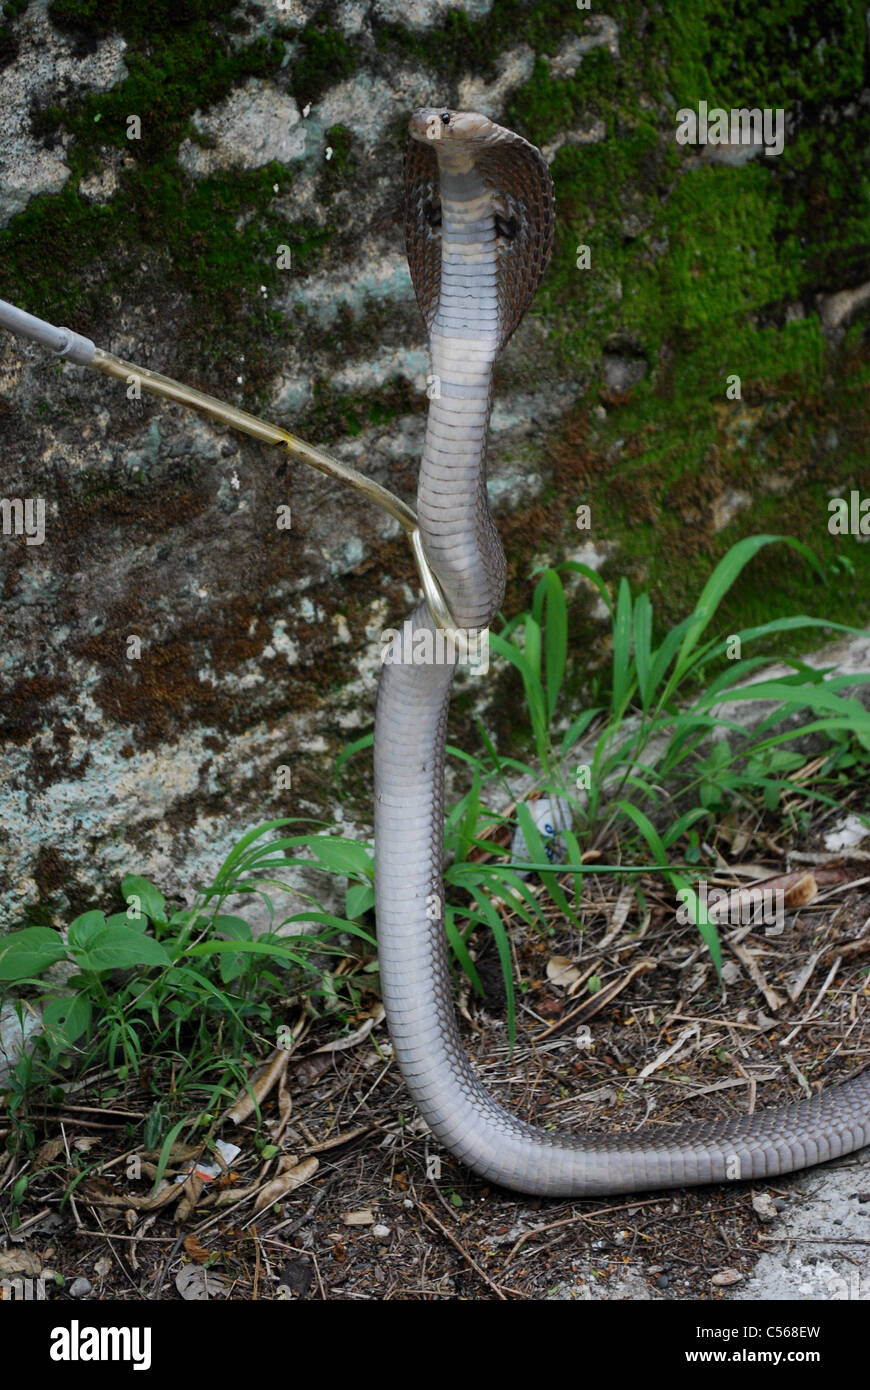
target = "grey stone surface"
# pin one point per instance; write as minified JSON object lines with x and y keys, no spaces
{"x":820,"y":1243}
{"x":45,"y":68}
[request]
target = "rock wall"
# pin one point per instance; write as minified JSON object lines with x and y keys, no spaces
{"x":214,"y":191}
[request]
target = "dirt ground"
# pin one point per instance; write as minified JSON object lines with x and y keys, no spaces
{"x":375,"y":1210}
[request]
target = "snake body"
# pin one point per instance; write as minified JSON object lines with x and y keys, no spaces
{"x":479,"y":218}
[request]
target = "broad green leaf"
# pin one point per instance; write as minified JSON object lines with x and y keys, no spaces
{"x":231,"y":965}
{"x":84,"y":929}
{"x":360,"y":898}
{"x":138,"y":923}
{"x":29,"y":952}
{"x":343,"y":856}
{"x":236,"y":928}
{"x":151,"y":900}
{"x":533,"y":645}
{"x":67,"y":1018}
{"x":121,"y":948}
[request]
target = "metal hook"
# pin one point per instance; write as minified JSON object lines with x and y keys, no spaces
{"x":63,"y":342}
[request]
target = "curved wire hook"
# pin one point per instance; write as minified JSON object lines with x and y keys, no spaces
{"x":63,"y":342}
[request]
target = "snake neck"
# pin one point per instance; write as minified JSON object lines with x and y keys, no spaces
{"x":456,"y":528}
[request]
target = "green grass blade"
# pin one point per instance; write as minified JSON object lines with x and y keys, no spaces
{"x":621,"y":650}
{"x":556,"y":647}
{"x":642,"y":646}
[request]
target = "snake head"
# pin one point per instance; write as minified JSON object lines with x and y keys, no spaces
{"x":440,"y":127}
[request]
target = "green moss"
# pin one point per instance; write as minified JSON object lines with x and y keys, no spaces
{"x":327,"y":57}
{"x":764,"y":52}
{"x":340,"y":170}
{"x":546,"y":105}
{"x":459,"y":44}
{"x":215,"y":240}
{"x":335,"y":414}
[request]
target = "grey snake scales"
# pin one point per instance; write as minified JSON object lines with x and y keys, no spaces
{"x":479,"y":222}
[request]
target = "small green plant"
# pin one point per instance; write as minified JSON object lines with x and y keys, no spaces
{"x":190,"y":991}
{"x":659,"y":756}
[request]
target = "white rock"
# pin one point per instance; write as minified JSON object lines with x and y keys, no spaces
{"x":255,"y":125}
{"x":847,"y":834}
{"x":44,"y":68}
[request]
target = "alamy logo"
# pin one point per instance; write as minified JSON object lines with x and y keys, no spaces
{"x":849,"y":518}
{"x":76,"y":1343}
{"x":23,"y":1288}
{"x":741,"y":126}
{"x":452,"y":646}
{"x":23,"y":516}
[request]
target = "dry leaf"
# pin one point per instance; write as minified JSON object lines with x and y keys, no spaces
{"x":772,"y":997}
{"x":244,"y":1103}
{"x":801,"y":892}
{"x":365,"y":1217}
{"x":19,"y":1262}
{"x":179,"y":1153}
{"x":339,"y":1044}
{"x":85,"y":1142}
{"x":197,"y":1285}
{"x":48,"y":1152}
{"x":693,"y":1031}
{"x":196,"y":1250}
{"x":98,"y":1190}
{"x":286,"y":1183}
{"x":621,"y":909}
{"x":310,"y":1069}
{"x":285,"y":1100}
{"x":192,"y":1191}
{"x":561,"y":971}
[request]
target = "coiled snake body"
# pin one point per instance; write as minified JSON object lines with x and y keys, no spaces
{"x":479,"y":220}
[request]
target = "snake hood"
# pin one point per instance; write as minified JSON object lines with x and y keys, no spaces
{"x":497,"y":175}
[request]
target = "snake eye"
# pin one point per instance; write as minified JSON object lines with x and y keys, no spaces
{"x":445,"y":116}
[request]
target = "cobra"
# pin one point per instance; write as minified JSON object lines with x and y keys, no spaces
{"x":479,"y":223}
